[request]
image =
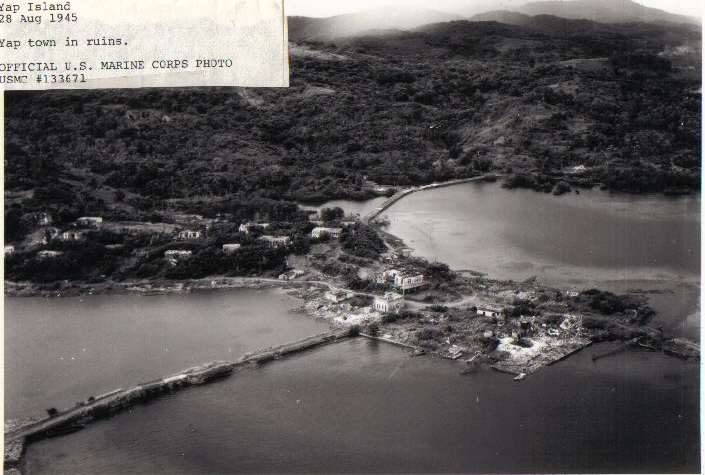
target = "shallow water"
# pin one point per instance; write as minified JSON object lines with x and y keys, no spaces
{"x":574,"y":239}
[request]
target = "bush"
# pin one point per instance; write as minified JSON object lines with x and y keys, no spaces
{"x":607,"y":303}
{"x":362,"y":241}
{"x":438,"y":308}
{"x":428,"y":334}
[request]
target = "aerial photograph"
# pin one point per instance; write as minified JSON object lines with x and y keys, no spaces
{"x":465,"y":239}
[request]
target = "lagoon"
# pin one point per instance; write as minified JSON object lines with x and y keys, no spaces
{"x":573,"y":239}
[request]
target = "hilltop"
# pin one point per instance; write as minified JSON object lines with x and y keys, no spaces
{"x":605,"y":11}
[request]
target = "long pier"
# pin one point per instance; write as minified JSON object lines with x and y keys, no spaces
{"x":115,"y":401}
{"x":619,"y":349}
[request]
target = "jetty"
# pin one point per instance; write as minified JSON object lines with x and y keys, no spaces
{"x":401,"y":194}
{"x":73,"y":419}
{"x":679,"y":347}
{"x":619,"y":349}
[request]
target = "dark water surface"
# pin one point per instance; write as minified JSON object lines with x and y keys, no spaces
{"x":358,"y":406}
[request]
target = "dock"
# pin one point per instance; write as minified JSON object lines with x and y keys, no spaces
{"x":389,"y":341}
{"x":17,"y":438}
{"x":678,"y":347}
{"x":401,"y":194}
{"x":619,"y":349}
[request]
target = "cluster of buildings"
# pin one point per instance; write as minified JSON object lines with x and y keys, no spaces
{"x":274,"y":242}
{"x":390,"y":302}
{"x":527,"y":325}
{"x":46,"y":233}
{"x":401,"y":280}
{"x":83,"y":226}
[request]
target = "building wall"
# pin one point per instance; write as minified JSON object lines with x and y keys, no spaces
{"x":381,"y":305}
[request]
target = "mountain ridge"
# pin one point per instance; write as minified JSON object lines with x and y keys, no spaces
{"x":603,"y":11}
{"x":388,"y":19}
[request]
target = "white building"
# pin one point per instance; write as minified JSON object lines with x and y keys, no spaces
{"x":489,"y":311}
{"x":337,"y":295}
{"x":389,"y":274}
{"x":247,"y":227}
{"x":9,"y":250}
{"x":78,"y":235}
{"x":44,"y":219}
{"x":291,"y":275}
{"x":230,"y":248}
{"x":189,"y":234}
{"x":173,"y":256}
{"x":321,"y":231}
{"x":406,"y":282}
{"x":92,"y":221}
{"x":390,"y":302}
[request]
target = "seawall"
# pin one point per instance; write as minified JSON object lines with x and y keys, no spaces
{"x":397,"y":196}
{"x":115,"y":401}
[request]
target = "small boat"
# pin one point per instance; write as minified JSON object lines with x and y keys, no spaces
{"x":63,"y":430}
{"x":520,"y":376}
{"x":418,"y":352}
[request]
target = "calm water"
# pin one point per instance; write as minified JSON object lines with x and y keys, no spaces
{"x":574,"y":239}
{"x":362,"y":407}
{"x":59,"y":351}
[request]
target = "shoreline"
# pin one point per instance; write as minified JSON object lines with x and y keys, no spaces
{"x":149,"y":288}
{"x":307,"y":293}
{"x":408,"y":191}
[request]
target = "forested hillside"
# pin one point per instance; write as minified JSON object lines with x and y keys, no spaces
{"x":553,"y":103}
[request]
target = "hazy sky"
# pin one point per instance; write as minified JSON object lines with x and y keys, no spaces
{"x":323,"y":8}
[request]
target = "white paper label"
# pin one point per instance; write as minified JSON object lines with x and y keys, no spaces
{"x":89,"y":44}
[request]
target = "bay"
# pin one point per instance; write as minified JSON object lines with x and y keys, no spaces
{"x":365,"y":407}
